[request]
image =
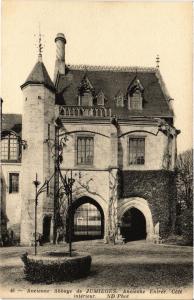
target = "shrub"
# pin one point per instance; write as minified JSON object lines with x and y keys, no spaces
{"x":54,"y":269}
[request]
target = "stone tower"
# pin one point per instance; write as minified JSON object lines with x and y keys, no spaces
{"x":38,"y":131}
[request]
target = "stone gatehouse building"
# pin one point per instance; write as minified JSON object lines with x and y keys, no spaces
{"x":120,"y":145}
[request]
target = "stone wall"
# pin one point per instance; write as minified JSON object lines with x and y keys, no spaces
{"x":112,"y":144}
{"x":102,"y":145}
{"x":36,"y":158}
{"x":155,"y":144}
{"x":12,"y":200}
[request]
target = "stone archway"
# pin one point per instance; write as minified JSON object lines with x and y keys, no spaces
{"x":141,"y":205}
{"x":87,"y":219}
{"x":102,"y":202}
{"x":133,"y":225}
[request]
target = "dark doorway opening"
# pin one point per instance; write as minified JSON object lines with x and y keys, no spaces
{"x":133,"y":225}
{"x":87,"y":220}
{"x":46,"y":229}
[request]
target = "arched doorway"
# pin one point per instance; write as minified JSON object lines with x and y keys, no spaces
{"x":133,"y":225}
{"x":46,"y":229}
{"x":143,"y":214}
{"x":87,"y":220}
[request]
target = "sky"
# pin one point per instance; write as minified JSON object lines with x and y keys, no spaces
{"x":101,"y":33}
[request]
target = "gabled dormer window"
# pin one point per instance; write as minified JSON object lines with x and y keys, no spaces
{"x":100,"y":98}
{"x":119,"y":99}
{"x":135,"y":95}
{"x":86,"y":92}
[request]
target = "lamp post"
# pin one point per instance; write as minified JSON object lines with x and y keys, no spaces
{"x":36,"y":183}
{"x":71,"y":182}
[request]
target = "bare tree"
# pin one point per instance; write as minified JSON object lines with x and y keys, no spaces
{"x":184,"y":168}
{"x":184,"y":222}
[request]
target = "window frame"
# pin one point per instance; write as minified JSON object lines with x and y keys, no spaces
{"x":11,"y":189}
{"x":130,"y":99}
{"x":84,"y":135}
{"x":128,"y":148}
{"x":8,"y":137}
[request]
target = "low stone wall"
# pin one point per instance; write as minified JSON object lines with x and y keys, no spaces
{"x":56,"y":266}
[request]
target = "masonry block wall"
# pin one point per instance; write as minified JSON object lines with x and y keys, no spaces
{"x":13,"y":200}
{"x":48,"y":155}
{"x":38,"y":113}
{"x":155,"y":145}
{"x":102,"y":144}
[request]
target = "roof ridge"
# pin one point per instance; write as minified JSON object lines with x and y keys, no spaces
{"x":164,"y":89}
{"x":112,"y":68}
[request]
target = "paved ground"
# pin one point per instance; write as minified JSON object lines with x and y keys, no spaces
{"x":133,"y":265}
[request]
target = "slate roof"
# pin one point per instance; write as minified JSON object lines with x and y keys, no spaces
{"x":12,"y":122}
{"x":111,"y":81}
{"x":39,"y":75}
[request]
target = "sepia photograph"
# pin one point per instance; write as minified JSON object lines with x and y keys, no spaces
{"x":96,"y":150}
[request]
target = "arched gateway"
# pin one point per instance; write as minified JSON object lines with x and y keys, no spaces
{"x":87,"y":219}
{"x":135,"y":219}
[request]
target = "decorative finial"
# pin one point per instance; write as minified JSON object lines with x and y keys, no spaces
{"x":39,"y":44}
{"x":157,"y":61}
